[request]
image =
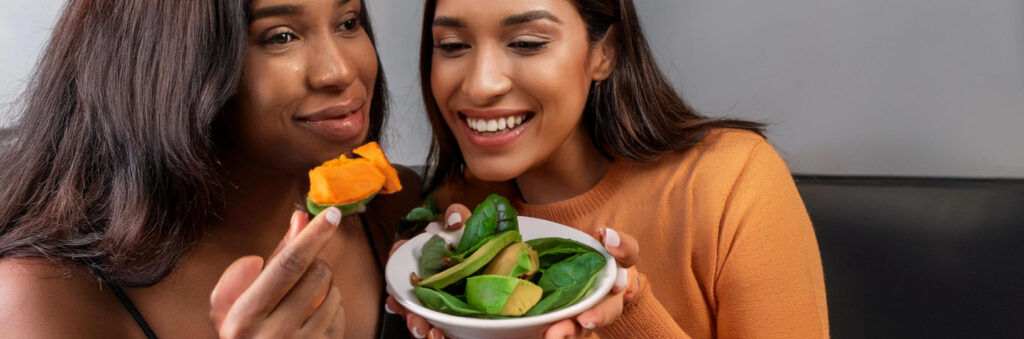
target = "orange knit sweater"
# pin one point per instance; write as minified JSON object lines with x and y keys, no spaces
{"x":725,"y":241}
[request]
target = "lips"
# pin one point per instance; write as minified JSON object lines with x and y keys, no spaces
{"x":341,"y":123}
{"x":493,"y":128}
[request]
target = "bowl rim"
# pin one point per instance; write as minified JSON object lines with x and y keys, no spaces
{"x":603,"y":285}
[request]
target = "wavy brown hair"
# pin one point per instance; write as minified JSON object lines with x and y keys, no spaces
{"x":115,"y":158}
{"x":635,"y":114}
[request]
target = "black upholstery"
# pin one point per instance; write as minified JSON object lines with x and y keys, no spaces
{"x":920,"y":258}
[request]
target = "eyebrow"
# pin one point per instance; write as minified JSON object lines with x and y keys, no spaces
{"x":447,"y":21}
{"x":284,"y":10}
{"x":518,"y":19}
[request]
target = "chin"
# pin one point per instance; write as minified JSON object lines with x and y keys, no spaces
{"x":493,"y":171}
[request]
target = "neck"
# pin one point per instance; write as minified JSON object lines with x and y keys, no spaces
{"x":572,"y":169}
{"x":259,"y":203}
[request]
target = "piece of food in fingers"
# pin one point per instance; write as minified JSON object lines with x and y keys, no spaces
{"x":350,"y":183}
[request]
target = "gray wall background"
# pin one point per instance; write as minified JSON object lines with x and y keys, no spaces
{"x":849,"y":87}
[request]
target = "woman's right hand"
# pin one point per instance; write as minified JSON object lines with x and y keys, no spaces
{"x":293,"y":296}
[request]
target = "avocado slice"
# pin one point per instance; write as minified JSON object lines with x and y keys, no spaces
{"x":502,"y":295}
{"x":472,"y":264}
{"x":517,"y":260}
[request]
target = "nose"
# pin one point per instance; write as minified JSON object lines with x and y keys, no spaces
{"x":329,"y":68}
{"x":488,"y":78}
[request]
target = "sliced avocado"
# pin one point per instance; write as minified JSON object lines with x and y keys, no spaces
{"x":517,"y":260}
{"x":501,"y":295}
{"x":472,"y":264}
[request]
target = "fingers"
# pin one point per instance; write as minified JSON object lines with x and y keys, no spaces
{"x":621,"y":280}
{"x":235,"y":280}
{"x":456,"y":216}
{"x":567,"y":328}
{"x":299,"y":220}
{"x":418,"y":326}
{"x":291,"y":264}
{"x":395,"y":247}
{"x":392,"y":306}
{"x":435,"y":333}
{"x":603,"y":314}
{"x":622,"y":246}
{"x":324,"y":318}
{"x":306,"y":296}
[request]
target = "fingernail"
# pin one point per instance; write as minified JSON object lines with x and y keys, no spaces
{"x":389,"y":310}
{"x":293,"y":224}
{"x":611,"y":238}
{"x":416,"y":333}
{"x":362,"y":209}
{"x":333,"y":215}
{"x":589,"y":326}
{"x":622,"y":278}
{"x":454,"y":219}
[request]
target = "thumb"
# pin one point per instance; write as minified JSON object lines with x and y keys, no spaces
{"x":235,"y":280}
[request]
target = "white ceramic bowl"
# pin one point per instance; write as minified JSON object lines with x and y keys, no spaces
{"x":405,"y":260}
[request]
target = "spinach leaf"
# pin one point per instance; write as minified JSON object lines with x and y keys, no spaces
{"x":481,"y":224}
{"x":507,"y":218}
{"x":431,"y":259}
{"x":553,"y":250}
{"x":444,"y":302}
{"x":570,"y":271}
{"x":562,"y":297}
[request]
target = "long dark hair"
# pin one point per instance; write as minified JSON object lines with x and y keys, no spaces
{"x":635,"y":114}
{"x":115,"y":159}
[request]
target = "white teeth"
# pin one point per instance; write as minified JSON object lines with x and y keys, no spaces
{"x":495,"y":125}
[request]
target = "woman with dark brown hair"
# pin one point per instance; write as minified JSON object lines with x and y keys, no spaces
{"x":559,"y":105}
{"x":159,"y":160}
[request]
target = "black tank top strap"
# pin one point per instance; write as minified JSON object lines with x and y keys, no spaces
{"x":126,"y":301}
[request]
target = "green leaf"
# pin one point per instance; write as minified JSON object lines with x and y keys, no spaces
{"x":507,"y":218}
{"x":444,"y":302}
{"x":553,"y":250}
{"x":481,"y":224}
{"x":562,"y":297}
{"x":570,"y":271}
{"x":420,"y":214}
{"x":431,"y":260}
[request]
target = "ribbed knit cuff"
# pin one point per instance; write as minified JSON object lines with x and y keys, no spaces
{"x":643,"y":317}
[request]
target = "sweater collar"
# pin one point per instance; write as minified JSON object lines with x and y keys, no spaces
{"x":566,"y":211}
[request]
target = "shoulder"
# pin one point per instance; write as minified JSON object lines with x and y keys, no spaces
{"x":726,"y":162}
{"x":718,"y":160}
{"x":35,"y":293}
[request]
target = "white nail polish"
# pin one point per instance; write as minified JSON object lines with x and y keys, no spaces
{"x":589,"y":326}
{"x":454,"y":218}
{"x":622,"y":278}
{"x":416,"y":333}
{"x":611,"y":238}
{"x":389,"y":310}
{"x":333,"y":216}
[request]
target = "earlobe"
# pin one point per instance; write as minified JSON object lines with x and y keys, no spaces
{"x":605,"y":56}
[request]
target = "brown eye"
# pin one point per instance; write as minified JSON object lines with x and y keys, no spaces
{"x":280,"y":38}
{"x":349,"y":25}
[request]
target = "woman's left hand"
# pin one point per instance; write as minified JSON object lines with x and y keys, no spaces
{"x":626,"y":251}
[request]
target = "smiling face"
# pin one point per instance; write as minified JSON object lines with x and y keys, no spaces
{"x":305,"y":94}
{"x":511,"y":80}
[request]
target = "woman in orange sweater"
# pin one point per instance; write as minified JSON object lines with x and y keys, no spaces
{"x":559,"y":104}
